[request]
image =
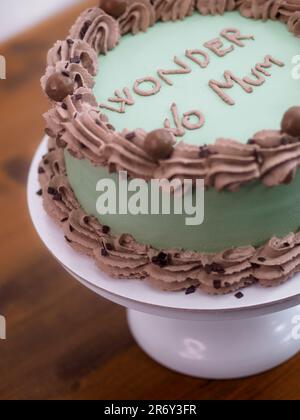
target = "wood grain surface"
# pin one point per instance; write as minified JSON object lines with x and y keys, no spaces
{"x":64,"y":342}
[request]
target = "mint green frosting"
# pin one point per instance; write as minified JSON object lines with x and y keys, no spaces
{"x":142,"y":55}
{"x":249,"y":216}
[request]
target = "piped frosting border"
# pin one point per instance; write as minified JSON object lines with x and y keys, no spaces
{"x":78,"y":124}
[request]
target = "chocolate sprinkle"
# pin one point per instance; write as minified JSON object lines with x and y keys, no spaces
{"x":239,"y":295}
{"x":52,"y":191}
{"x":255,"y":265}
{"x":214,"y":267}
{"x":84,"y":29}
{"x":204,"y":152}
{"x":57,"y":196}
{"x":49,"y":132}
{"x":60,"y":142}
{"x":40,"y":192}
{"x":130,"y":136}
{"x":217,"y":284}
{"x":104,"y":252}
{"x":190,"y":290}
{"x":105,"y":230}
{"x":41,"y":170}
{"x":75,"y":60}
{"x":162,"y":259}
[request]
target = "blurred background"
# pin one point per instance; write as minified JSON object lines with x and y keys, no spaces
{"x":18,"y":15}
{"x":64,"y":342}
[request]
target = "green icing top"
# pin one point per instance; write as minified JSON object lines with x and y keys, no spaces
{"x":142,"y":55}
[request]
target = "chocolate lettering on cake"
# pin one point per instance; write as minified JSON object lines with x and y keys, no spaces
{"x":234,"y":35}
{"x":184,"y":69}
{"x":185,"y":121}
{"x":191,"y":54}
{"x":217,"y":47}
{"x":246,"y":82}
{"x":195,"y":119}
{"x":187,"y":117}
{"x":259,"y":78}
{"x":268,"y":63}
{"x":178,"y":131}
{"x":230,"y":79}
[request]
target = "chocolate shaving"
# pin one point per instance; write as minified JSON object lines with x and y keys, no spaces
{"x":85,"y":28}
{"x":190,"y":290}
{"x":130,"y":136}
{"x":217,"y":284}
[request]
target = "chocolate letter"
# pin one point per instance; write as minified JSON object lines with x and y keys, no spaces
{"x":128,"y":100}
{"x":156,"y":86}
{"x":202,"y":63}
{"x":235,"y":36}
{"x":230,"y":79}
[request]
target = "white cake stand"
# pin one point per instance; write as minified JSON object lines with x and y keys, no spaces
{"x":198,"y":335}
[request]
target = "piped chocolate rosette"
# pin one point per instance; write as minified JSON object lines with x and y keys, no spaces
{"x":76,"y":124}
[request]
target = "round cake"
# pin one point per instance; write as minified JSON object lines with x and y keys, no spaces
{"x":176,"y":90}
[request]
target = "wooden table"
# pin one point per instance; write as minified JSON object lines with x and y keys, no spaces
{"x":64,"y":342}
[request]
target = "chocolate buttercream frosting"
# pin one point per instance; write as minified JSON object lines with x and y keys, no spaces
{"x":216,"y":7}
{"x":285,"y":10}
{"x":294,"y":23}
{"x":166,"y":10}
{"x":76,"y":73}
{"x":272,"y":156}
{"x":123,"y":257}
{"x":74,"y":51}
{"x":138,"y":17}
{"x":279,"y":157}
{"x":97,"y":29}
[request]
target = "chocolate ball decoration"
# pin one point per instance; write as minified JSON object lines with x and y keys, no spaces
{"x":291,"y":122}
{"x":159,"y":144}
{"x":114,"y":8}
{"x":59,"y":86}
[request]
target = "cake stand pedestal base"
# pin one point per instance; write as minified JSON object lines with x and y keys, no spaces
{"x":224,"y":349}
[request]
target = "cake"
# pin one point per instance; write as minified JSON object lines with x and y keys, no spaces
{"x":180,"y":89}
